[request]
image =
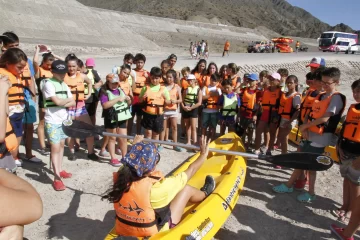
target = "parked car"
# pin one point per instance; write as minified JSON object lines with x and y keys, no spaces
{"x":258,"y":47}
{"x":353,"y":49}
{"x":342,"y":46}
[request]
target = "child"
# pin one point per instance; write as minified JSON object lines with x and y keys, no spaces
{"x":289,"y":111}
{"x":263,"y":80}
{"x":318,"y":129}
{"x":75,"y":81}
{"x":250,"y":101}
{"x":199,"y":72}
{"x":165,"y":67}
{"x":184,"y":85}
{"x":232,"y":72}
{"x":142,"y":78}
{"x":170,"y":111}
{"x":192,"y":99}
{"x":57,"y":97}
{"x":229,"y":103}
{"x":348,"y":151}
{"x":172,"y":60}
{"x":116,"y":112}
{"x":139,"y":172}
{"x":223,"y":74}
{"x":206,"y":54}
{"x":92,"y":102}
{"x":210,"y":113}
{"x":212,"y":69}
{"x":269,"y":118}
{"x":284,"y":73}
{"x":154,"y":97}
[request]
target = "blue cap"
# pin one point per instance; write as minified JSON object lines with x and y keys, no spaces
{"x":253,"y":77}
{"x":142,"y":158}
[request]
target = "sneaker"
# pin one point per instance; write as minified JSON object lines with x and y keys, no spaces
{"x":64,"y":174}
{"x":18,"y":162}
{"x":72,"y":157}
{"x":118,"y":151}
{"x":59,"y":185}
{"x":268,"y":153}
{"x":160,"y":148}
{"x":44,"y":151}
{"x":339,"y":232}
{"x":209,"y":185}
{"x":278,"y":167}
{"x":115,"y":162}
{"x":34,"y":159}
{"x":93,"y":157}
{"x":276,"y":147}
{"x":104,"y":153}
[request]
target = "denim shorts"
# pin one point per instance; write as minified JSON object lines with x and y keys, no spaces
{"x":209,"y":119}
{"x":54,"y":132}
{"x":16,"y":121}
{"x":346,"y":168}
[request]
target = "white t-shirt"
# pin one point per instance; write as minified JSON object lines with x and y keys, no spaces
{"x":211,"y":89}
{"x":54,"y":115}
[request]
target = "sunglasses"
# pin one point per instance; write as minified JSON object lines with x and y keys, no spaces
{"x":327,"y":83}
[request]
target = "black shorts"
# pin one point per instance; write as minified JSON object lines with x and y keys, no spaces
{"x":153,"y":122}
{"x":112,"y":125}
{"x":91,"y":107}
{"x":192,"y":114}
{"x":136,"y":109}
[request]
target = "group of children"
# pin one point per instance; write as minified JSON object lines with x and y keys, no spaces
{"x":199,"y":49}
{"x":268,"y":103}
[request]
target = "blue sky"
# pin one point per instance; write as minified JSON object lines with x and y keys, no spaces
{"x":332,"y":12}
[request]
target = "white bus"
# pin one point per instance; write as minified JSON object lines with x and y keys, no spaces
{"x":329,"y":40}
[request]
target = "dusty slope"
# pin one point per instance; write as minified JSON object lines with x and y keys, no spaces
{"x":277,"y":15}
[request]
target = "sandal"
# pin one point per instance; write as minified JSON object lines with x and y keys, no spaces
{"x":178,"y":149}
{"x":338,"y":212}
{"x":306,"y":197}
{"x":282,"y":188}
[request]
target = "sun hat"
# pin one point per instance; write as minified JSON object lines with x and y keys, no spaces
{"x":253,"y":77}
{"x":191,"y":77}
{"x":112,"y":78}
{"x":59,"y":67}
{"x":276,"y":76}
{"x":90,"y":62}
{"x":142,"y":158}
{"x":316,"y":62}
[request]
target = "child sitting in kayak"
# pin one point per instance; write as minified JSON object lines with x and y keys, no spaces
{"x":348,"y":150}
{"x":145,"y":201}
{"x":229,"y":103}
{"x":116,"y":113}
{"x":318,"y":129}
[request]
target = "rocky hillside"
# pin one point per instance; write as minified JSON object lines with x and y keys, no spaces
{"x":277,"y":15}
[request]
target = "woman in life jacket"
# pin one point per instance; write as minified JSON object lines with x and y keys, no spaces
{"x":192,"y":99}
{"x":116,"y":105}
{"x":42,"y":71}
{"x":171,"y":111}
{"x":138,"y":190}
{"x":212,"y":69}
{"x":75,"y":81}
{"x":269,"y":120}
{"x":223,"y":74}
{"x":165,"y":67}
{"x":172,"y":60}
{"x":232,"y":72}
{"x":289,"y":111}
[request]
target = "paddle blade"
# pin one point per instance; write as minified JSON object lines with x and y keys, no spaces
{"x":78,"y":129}
{"x":301,"y":160}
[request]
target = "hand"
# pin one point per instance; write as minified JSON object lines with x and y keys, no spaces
{"x":5,"y":84}
{"x":127,"y":98}
{"x":302,"y":127}
{"x":14,"y":232}
{"x":254,"y":118}
{"x":97,"y":85}
{"x":138,"y":138}
{"x":121,"y":99}
{"x":204,"y":146}
{"x":37,"y":47}
{"x":144,"y":96}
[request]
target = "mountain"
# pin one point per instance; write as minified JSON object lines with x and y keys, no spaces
{"x":276,"y":15}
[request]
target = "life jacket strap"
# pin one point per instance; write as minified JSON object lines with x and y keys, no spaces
{"x":136,"y":224}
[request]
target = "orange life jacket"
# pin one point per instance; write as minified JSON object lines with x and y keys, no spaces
{"x":154,"y":101}
{"x":45,"y":73}
{"x":234,"y":80}
{"x":26,"y":78}
{"x":271,"y":100}
{"x":199,"y":78}
{"x":140,"y":81}
{"x":76,"y":86}
{"x":162,"y":81}
{"x":125,"y":86}
{"x":174,"y":95}
{"x":286,"y":109}
{"x":11,"y":142}
{"x":134,"y":213}
{"x":211,"y":102}
{"x":184,"y":84}
{"x":307,"y":103}
{"x":319,"y":108}
{"x":351,"y":126}
{"x":16,"y":92}
{"x":206,"y":80}
{"x":248,"y":101}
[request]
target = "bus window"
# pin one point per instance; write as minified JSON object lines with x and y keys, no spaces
{"x":327,"y":35}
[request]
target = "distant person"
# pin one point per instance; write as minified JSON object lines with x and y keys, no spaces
{"x":226,"y":48}
{"x":203,"y":45}
{"x":206,"y":54}
{"x":191,"y":49}
{"x":198,"y":50}
{"x":297,"y":46}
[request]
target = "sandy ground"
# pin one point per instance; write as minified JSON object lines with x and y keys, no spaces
{"x":78,"y":212}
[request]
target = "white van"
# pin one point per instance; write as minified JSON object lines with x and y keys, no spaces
{"x":342,"y":46}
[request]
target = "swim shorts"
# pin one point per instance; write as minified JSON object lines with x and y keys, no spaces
{"x":153,"y":122}
{"x":54,"y":132}
{"x":16,"y":121}
{"x":346,"y":165}
{"x":209,"y":119}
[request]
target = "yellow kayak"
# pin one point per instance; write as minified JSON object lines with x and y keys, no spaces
{"x":331,"y":150}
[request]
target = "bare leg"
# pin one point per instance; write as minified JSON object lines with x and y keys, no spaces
{"x":111,"y":143}
{"x":294,"y":176}
{"x":222,"y":129}
{"x":122,"y":142}
{"x":354,"y":191}
{"x":130,"y":123}
{"x":312,"y":179}
{"x":354,"y":222}
{"x":188,"y":130}
{"x":163,"y":133}
{"x":259,"y":130}
{"x":273,"y":132}
{"x":29,"y":130}
{"x":105,"y":143}
{"x":56,"y":158}
{"x":167,"y":129}
{"x":148,"y":133}
{"x":138,"y":124}
{"x":41,"y":128}
{"x":90,"y":140}
{"x":15,"y":152}
{"x":173,"y":124}
{"x":177,"y":205}
{"x":193,"y":129}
